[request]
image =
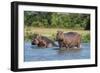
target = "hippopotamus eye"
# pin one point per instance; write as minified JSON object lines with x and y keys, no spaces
{"x":57,"y":34}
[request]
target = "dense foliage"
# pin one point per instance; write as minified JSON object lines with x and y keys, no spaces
{"x":57,"y":20}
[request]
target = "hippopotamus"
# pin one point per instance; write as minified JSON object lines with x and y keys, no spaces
{"x":43,"y":41}
{"x":68,"y":40}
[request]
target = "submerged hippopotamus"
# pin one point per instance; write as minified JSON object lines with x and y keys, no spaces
{"x":43,"y":41}
{"x":68,"y":40}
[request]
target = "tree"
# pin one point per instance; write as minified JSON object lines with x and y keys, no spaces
{"x":57,"y":19}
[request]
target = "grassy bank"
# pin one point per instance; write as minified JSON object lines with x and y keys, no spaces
{"x":51,"y":33}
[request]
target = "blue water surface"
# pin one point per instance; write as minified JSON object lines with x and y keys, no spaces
{"x":34,"y":53}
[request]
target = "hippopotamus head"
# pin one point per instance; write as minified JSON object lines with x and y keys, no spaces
{"x":59,"y":36}
{"x":35,"y":41}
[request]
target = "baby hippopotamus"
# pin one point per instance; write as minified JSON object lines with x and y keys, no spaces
{"x":42,"y":41}
{"x":68,"y":40}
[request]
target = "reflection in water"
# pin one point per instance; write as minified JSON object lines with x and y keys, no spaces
{"x":64,"y":51}
{"x":34,"y":53}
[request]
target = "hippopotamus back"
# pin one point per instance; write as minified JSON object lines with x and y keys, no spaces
{"x":72,"y":38}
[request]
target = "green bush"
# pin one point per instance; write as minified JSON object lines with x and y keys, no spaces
{"x":86,"y":38}
{"x":57,"y":19}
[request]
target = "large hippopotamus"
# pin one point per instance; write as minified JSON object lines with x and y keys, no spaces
{"x":43,"y":41}
{"x":68,"y":40}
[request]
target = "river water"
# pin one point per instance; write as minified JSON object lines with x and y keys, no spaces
{"x":33,"y":53}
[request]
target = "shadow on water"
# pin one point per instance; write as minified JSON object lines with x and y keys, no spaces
{"x":34,"y":53}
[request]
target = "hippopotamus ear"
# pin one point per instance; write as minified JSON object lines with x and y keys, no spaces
{"x":59,"y":31}
{"x":39,"y":36}
{"x":62,"y":32}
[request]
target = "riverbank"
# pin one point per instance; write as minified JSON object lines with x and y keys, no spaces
{"x":51,"y":33}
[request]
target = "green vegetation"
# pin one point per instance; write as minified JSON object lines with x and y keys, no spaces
{"x":48,"y":23}
{"x":57,"y":20}
{"x":86,"y":37}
